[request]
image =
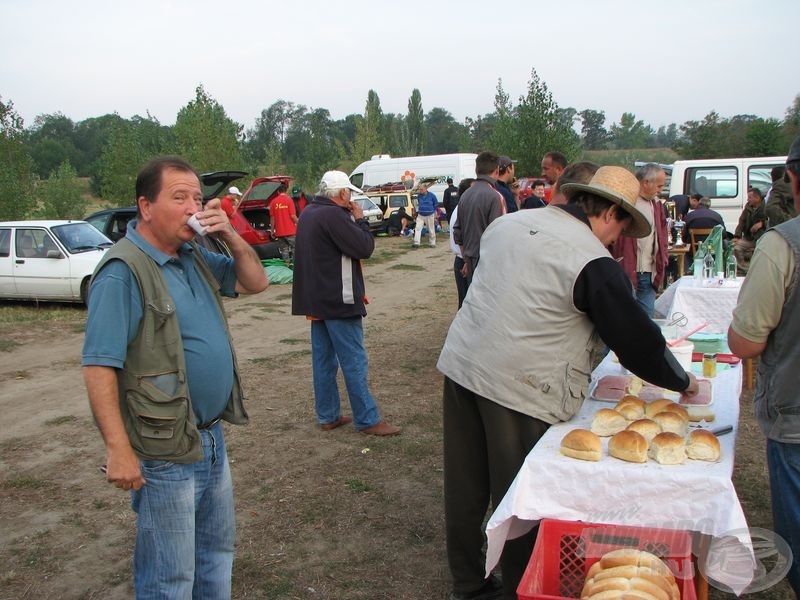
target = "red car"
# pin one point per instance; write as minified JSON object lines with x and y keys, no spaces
{"x":251,"y":219}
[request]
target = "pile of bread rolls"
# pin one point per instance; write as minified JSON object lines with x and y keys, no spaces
{"x":639,"y":430}
{"x":628,"y":573}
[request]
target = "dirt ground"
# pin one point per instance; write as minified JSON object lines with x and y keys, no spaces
{"x":327,"y":515}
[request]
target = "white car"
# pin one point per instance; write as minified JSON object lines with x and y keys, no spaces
{"x":49,"y":260}
{"x":372,"y":212}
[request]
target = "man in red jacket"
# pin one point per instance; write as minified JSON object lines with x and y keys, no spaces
{"x":644,"y":260}
{"x":283,"y":223}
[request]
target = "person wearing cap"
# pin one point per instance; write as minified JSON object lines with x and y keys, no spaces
{"x":645,"y":260}
{"x":505,"y":176}
{"x":479,"y":206}
{"x":333,"y":237}
{"x":231,"y":200}
{"x":766,"y":324}
{"x":556,"y":297}
{"x":427,"y":203}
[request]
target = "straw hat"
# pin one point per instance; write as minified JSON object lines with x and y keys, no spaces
{"x":621,"y":187}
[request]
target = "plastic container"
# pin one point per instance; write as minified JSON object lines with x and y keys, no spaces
{"x":683,"y":352}
{"x":565,"y":550}
{"x":670,"y":332}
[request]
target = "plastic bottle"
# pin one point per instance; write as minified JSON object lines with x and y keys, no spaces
{"x":730,"y":267}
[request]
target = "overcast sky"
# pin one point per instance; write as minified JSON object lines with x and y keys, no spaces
{"x":666,"y":62}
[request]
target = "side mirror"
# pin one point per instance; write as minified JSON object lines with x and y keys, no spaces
{"x":54,"y":254}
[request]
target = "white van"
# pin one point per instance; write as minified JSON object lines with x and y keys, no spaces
{"x":383,"y":169}
{"x":725,"y":181}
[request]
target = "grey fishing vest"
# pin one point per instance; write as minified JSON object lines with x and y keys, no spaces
{"x":777,"y":394}
{"x":153,"y":390}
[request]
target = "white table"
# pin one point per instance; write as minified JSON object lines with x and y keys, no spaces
{"x":700,"y":303}
{"x":695,"y":496}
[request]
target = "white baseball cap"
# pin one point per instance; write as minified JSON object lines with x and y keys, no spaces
{"x":234,"y":190}
{"x":336,"y":180}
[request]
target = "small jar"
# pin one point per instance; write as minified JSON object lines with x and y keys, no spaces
{"x":709,"y":365}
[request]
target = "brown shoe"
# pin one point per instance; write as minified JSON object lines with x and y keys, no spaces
{"x":337,"y":423}
{"x":382,"y":428}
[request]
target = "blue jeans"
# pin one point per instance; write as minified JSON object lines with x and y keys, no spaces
{"x":336,"y":342}
{"x":645,"y":293}
{"x":185,"y":525}
{"x":783,"y":463}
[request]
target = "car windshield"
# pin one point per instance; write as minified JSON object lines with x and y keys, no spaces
{"x":80,"y":237}
{"x":366,"y":204}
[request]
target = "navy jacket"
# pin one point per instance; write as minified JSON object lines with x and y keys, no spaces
{"x":329,"y":247}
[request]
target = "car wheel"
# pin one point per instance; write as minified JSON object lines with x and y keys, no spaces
{"x":85,"y":290}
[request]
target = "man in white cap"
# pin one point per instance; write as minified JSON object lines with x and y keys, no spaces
{"x":497,"y":406}
{"x":231,"y":200}
{"x":766,"y":323}
{"x":333,"y":237}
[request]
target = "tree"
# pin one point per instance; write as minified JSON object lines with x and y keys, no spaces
{"x":765,"y":137}
{"x":206,"y":137}
{"x":630,"y":133}
{"x":368,"y":140}
{"x":130,"y":144}
{"x":594,"y":134}
{"x":443,"y":134}
{"x":791,"y":123}
{"x":534,"y":127}
{"x":51,"y":141}
{"x":415,"y":124}
{"x":16,"y":166}
{"x":60,"y":196}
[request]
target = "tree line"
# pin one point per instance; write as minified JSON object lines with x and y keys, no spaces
{"x":40,"y":164}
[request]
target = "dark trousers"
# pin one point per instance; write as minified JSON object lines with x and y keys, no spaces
{"x":461,"y":282}
{"x":485,"y":444}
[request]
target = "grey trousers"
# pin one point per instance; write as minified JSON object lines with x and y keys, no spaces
{"x":485,"y":445}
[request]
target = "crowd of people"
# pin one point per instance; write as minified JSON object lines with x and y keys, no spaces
{"x":590,"y":252}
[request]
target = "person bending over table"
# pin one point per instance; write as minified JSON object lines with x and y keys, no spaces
{"x":547,"y":289}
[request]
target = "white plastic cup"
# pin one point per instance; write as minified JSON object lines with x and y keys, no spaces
{"x":683,"y":352}
{"x":194,"y":223}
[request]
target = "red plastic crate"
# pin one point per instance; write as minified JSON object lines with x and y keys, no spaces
{"x":565,"y":550}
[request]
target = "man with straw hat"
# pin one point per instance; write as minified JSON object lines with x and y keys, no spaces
{"x":547,"y":290}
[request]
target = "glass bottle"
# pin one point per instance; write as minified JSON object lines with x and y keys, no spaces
{"x":730,"y":266}
{"x":708,"y":264}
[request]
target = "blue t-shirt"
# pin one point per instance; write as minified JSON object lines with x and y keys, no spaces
{"x":115,"y":311}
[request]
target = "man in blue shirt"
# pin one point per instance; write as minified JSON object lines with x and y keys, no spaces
{"x":164,"y":439}
{"x":427,"y":203}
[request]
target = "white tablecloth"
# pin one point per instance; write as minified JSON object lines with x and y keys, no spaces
{"x":700,"y":303}
{"x":695,"y":496}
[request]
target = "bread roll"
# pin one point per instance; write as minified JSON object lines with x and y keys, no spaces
{"x":672,"y":422}
{"x":631,"y":407}
{"x":656,"y":406}
{"x":607,"y":422}
{"x":668,"y":448}
{"x":701,"y":413}
{"x":645,"y":577}
{"x":676,"y":408}
{"x":647,"y":427}
{"x":628,"y":445}
{"x":581,"y":444}
{"x":702,"y":445}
